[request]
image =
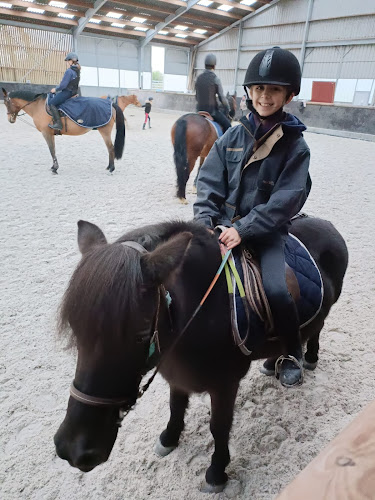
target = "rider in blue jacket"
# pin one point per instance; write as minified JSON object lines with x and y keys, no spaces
{"x":254,"y":180}
{"x":68,"y":87}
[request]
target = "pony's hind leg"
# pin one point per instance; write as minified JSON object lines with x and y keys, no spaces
{"x":106,"y":134}
{"x":222,"y":406}
{"x":50,"y":140}
{"x":311,"y":356}
{"x":168,"y":439}
{"x":201,"y":160}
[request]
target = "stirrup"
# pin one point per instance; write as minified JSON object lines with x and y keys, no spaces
{"x":294,"y":360}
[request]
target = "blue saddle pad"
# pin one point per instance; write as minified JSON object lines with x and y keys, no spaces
{"x":311,"y":292}
{"x":219,"y":130}
{"x":88,"y":112}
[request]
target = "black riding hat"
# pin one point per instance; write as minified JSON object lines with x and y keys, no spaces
{"x":210,"y":60}
{"x":274,"y":66}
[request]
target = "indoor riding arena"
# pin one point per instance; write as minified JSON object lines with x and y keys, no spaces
{"x":314,"y":441}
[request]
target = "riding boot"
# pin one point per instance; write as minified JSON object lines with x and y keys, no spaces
{"x":57,"y":125}
{"x":144,"y":126}
{"x":290,"y":369}
{"x":149,"y":124}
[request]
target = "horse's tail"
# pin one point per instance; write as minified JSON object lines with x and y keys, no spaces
{"x":120,"y":132}
{"x":180,"y":157}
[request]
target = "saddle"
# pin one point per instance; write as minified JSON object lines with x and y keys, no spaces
{"x":206,"y":115}
{"x":251,"y":316}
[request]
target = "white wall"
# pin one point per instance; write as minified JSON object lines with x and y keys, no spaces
{"x":175,"y":83}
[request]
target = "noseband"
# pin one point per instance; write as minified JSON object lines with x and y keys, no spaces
{"x":124,"y":404}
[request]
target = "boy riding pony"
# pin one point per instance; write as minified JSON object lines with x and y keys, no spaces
{"x":254,"y":180}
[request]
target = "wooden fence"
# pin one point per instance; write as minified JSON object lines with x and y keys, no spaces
{"x":32,"y":56}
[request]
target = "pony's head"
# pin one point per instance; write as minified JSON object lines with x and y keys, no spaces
{"x":129,"y":99}
{"x":17,"y":100}
{"x":13,"y":108}
{"x":111,"y":308}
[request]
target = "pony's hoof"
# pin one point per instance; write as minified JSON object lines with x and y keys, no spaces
{"x":183,"y":201}
{"x":309,"y":366}
{"x":212,"y":488}
{"x":163,"y":451}
{"x":194,"y":190}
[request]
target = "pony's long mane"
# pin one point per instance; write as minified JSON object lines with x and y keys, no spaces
{"x":26,"y":95}
{"x":107,"y":282}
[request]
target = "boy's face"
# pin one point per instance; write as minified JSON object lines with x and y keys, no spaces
{"x":267,"y":99}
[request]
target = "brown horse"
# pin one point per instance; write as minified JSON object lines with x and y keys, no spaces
{"x":193,"y":136}
{"x":123,"y":101}
{"x":35,"y":106}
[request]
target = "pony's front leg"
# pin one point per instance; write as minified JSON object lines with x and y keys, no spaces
{"x":168,"y":439}
{"x":222,"y":406}
{"x":50,"y":140}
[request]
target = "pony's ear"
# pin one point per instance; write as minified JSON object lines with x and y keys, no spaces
{"x":159,"y":264}
{"x":4,"y":92}
{"x":89,"y":235}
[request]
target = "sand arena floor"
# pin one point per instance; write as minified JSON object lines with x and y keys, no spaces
{"x":276,"y":432}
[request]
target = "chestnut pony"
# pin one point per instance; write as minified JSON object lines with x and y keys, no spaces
{"x":122,"y":321}
{"x":193,"y":136}
{"x":35,"y":106}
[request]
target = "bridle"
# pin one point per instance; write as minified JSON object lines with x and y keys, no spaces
{"x":15,"y":114}
{"x":125,"y":405}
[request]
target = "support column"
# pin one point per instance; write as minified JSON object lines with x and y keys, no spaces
{"x":240,"y":31}
{"x":140,"y":66}
{"x":306,"y":34}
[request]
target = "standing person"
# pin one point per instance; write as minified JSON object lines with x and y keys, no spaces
{"x":147,"y":106}
{"x":68,"y":87}
{"x":243,"y":105}
{"x":207,"y":87}
{"x":254,"y":180}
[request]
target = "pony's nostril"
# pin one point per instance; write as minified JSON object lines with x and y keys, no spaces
{"x":88,"y":460}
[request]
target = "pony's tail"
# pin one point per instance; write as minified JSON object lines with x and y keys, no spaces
{"x":120,"y":132}
{"x":180,"y":157}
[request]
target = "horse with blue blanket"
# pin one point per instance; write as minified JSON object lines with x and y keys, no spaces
{"x":79,"y":115}
{"x":122,"y":320}
{"x":193,"y":135}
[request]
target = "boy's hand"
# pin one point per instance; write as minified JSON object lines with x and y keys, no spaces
{"x":230,"y":237}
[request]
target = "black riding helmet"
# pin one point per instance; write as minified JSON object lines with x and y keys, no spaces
{"x":210,"y":61}
{"x":274,"y":66}
{"x":71,"y":56}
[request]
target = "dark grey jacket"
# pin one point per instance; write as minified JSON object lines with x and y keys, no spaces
{"x":255,"y":186}
{"x":207,"y":87}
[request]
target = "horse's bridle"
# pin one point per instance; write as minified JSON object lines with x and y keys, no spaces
{"x":124,"y":405}
{"x":15,"y":114}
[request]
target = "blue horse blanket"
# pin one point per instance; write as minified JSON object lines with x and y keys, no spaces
{"x":219,"y":130}
{"x":87,"y":112}
{"x":311,"y":293}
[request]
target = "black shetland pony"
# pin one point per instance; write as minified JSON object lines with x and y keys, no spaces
{"x":116,"y":300}
{"x":193,"y":136}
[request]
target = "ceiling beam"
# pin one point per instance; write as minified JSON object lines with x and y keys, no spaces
{"x":151,"y":33}
{"x":88,"y":15}
{"x":47,"y":8}
{"x":39,"y":17}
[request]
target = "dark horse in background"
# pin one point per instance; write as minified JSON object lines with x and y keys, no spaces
{"x":35,"y":106}
{"x":193,"y":136}
{"x":115,"y":303}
